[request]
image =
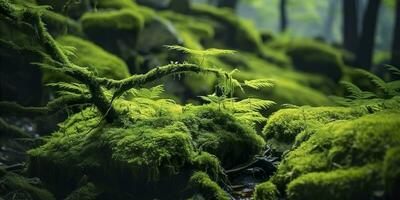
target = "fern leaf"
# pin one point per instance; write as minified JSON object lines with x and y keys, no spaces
{"x":393,"y":69}
{"x":288,"y":105}
{"x":252,"y":104}
{"x":380,"y":83}
{"x":342,"y":101}
{"x":207,"y":52}
{"x":150,"y":93}
{"x":355,"y":91}
{"x":259,"y":83}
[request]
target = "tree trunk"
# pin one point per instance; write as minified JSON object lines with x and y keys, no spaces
{"x":350,"y":26}
{"x":228,"y":3}
{"x":395,"y":61}
{"x":367,"y":38}
{"x":329,"y":20}
{"x":283,"y":15}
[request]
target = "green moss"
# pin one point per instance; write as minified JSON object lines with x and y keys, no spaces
{"x":202,"y":183}
{"x":244,"y":35}
{"x":285,"y":125}
{"x":14,"y":186}
{"x":91,"y":56}
{"x":146,"y":12}
{"x":341,"y":144}
{"x":86,"y":192}
{"x":161,"y":143}
{"x":219,"y":133}
{"x":124,"y":19}
{"x":266,"y":191}
{"x":59,"y":24}
{"x":208,"y":163}
{"x":391,"y":172}
{"x":123,"y":24}
{"x":346,"y":184}
{"x":315,"y":57}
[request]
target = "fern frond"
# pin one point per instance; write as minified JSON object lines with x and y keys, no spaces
{"x":68,"y":50}
{"x":64,"y":88}
{"x":259,"y":83}
{"x":342,"y":101}
{"x":150,"y":93}
{"x":213,"y":98}
{"x":355,"y":91}
{"x":250,"y":117}
{"x":207,"y":52}
{"x":288,"y":105}
{"x":380,"y":83}
{"x":252,"y":104}
{"x":394,"y":86}
{"x":393,"y":69}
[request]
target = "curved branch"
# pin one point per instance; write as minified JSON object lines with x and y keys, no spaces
{"x":12,"y":108}
{"x":12,"y":131}
{"x":154,"y":74}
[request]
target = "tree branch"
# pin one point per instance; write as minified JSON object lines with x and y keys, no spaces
{"x":12,"y":108}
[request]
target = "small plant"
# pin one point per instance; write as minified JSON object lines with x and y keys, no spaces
{"x":385,"y":90}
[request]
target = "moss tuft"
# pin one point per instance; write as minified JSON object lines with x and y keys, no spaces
{"x":87,"y":54}
{"x":391,"y":172}
{"x":14,"y":186}
{"x":341,"y":144}
{"x":245,"y":35}
{"x":285,"y":125}
{"x":202,"y":183}
{"x":124,"y":24}
{"x":266,"y":191}
{"x":315,"y":57}
{"x":85,"y":192}
{"x":219,"y":133}
{"x":346,"y":184}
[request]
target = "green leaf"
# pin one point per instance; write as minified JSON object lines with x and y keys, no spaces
{"x":207,"y":52}
{"x":259,"y":83}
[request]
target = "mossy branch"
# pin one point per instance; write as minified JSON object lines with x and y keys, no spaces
{"x":12,"y":108}
{"x":61,"y":63}
{"x":12,"y":131}
{"x":124,"y":85}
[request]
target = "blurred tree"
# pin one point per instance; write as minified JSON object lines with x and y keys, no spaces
{"x":330,"y":17}
{"x":367,"y":37}
{"x":180,"y":5}
{"x":228,"y":3}
{"x":350,"y":26}
{"x":395,"y":60}
{"x":283,"y":15}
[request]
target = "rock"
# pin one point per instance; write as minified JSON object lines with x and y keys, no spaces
{"x":157,"y":33}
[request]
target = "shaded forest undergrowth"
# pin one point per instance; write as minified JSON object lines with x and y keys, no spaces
{"x":150,"y":105}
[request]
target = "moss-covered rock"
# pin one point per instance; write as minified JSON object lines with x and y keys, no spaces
{"x":315,"y":57}
{"x":287,"y":126}
{"x":343,"y":144}
{"x":154,"y":153}
{"x":391,"y":172}
{"x":266,"y":191}
{"x":202,"y":183}
{"x":244,"y":35}
{"x":347,"y":184}
{"x":88,"y":55}
{"x":121,"y":25}
{"x":220,"y":134}
{"x":85,"y":192}
{"x":14,"y":186}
